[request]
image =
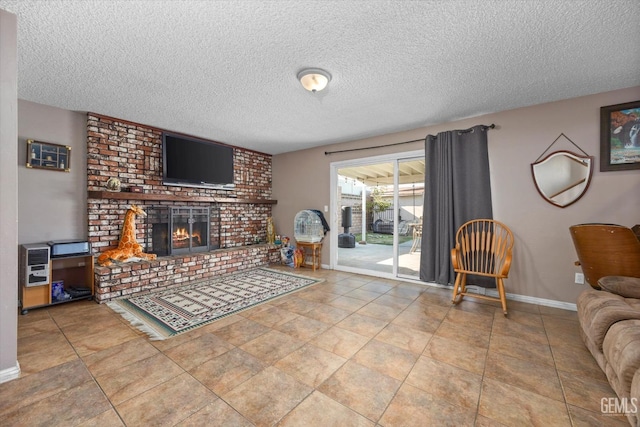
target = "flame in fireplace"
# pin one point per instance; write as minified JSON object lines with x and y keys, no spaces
{"x":181,"y":235}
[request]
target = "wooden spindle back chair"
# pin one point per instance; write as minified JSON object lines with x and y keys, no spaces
{"x":484,"y":248}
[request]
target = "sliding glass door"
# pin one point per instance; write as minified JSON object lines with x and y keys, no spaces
{"x":365,"y":192}
{"x":377,"y":212}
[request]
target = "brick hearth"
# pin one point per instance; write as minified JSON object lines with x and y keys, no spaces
{"x":168,"y":272}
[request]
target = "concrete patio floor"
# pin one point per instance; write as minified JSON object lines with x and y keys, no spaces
{"x":380,"y":258}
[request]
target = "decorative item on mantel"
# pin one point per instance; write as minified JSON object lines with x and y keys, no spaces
{"x":113,"y":184}
{"x":132,"y":189}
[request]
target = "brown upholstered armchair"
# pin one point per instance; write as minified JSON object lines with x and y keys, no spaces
{"x":606,"y":250}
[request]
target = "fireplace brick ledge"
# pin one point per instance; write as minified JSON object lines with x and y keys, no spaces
{"x":102,"y":195}
{"x":126,"y":279}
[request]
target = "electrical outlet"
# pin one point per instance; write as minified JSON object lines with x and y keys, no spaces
{"x":580,"y":278}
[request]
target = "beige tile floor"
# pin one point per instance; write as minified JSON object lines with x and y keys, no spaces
{"x":351,"y":351}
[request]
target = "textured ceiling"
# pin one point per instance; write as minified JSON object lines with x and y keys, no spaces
{"x":226,"y":70}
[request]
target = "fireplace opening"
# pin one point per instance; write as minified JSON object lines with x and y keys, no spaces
{"x":174,"y":230}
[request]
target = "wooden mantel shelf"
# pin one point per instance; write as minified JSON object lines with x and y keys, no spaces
{"x":173,"y":198}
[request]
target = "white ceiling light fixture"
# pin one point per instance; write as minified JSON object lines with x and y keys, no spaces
{"x":314,"y":79}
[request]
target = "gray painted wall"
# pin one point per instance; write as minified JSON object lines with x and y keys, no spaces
{"x":52,"y":204}
{"x":8,"y":197}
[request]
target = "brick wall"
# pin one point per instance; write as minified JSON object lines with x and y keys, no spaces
{"x":133,"y":153}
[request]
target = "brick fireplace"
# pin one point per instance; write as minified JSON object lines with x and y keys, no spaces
{"x":237,"y":218}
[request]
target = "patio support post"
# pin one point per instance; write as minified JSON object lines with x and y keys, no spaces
{"x":364,"y":213}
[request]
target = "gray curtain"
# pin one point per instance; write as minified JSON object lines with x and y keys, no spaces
{"x":457,"y":189}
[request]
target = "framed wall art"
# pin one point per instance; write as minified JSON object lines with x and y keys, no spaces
{"x":44,"y":155}
{"x":620,"y":137}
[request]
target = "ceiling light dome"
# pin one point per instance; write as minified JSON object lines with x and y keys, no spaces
{"x":314,"y":79}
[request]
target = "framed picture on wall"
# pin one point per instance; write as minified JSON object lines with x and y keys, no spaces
{"x":45,"y":155}
{"x":620,"y":137}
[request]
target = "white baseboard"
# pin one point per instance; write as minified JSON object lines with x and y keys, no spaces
{"x":515,"y":297}
{"x":479,"y":290}
{"x":10,"y":373}
{"x":534,"y":300}
{"x":523,"y":298}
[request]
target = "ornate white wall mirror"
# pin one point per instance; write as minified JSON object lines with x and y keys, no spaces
{"x":562,"y":177}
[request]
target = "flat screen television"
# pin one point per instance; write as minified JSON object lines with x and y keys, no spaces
{"x":191,"y":162}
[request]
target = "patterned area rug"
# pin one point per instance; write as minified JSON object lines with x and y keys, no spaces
{"x":167,"y":313}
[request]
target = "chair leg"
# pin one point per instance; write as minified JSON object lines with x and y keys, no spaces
{"x":455,"y":289}
{"x":503,"y":297}
{"x":458,"y":288}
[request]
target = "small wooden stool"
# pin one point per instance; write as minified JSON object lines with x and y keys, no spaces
{"x":312,"y":252}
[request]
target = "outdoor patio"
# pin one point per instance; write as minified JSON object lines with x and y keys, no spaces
{"x":380,"y":258}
